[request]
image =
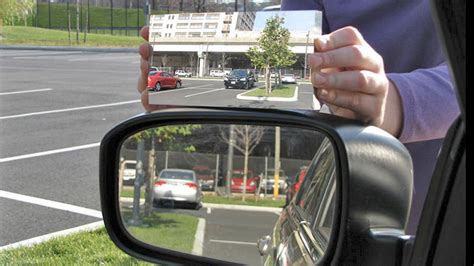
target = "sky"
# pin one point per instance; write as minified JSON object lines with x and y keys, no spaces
{"x":300,"y":21}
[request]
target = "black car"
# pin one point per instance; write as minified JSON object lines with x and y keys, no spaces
{"x":240,"y":78}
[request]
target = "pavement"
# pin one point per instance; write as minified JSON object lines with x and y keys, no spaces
{"x":55,"y":107}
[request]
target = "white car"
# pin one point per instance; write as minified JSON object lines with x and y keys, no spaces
{"x":217,"y":73}
{"x":129,"y":172}
{"x":182,"y":73}
{"x":177,"y":186}
{"x":288,"y":78}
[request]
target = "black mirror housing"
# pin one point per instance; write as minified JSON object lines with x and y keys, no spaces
{"x":374,"y":182}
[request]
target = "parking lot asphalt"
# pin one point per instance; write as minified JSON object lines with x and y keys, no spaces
{"x":55,"y":107}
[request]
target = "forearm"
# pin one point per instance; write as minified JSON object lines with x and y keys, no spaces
{"x":428,"y":103}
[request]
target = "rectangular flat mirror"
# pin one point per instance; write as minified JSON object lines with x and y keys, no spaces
{"x":236,"y":59}
{"x":215,"y":189}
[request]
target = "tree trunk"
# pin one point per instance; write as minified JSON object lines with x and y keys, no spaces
{"x":149,"y":180}
{"x":68,"y":22}
{"x":77,"y":21}
{"x":268,"y":82}
{"x":87,"y":22}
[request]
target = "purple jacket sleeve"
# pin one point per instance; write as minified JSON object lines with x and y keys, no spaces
{"x":429,"y":103}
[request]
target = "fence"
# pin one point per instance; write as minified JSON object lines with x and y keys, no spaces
{"x":217,"y":162}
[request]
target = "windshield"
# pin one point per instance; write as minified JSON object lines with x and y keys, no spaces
{"x":238,"y":72}
{"x":176,"y":175}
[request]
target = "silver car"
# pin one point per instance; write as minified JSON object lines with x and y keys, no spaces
{"x":177,"y":186}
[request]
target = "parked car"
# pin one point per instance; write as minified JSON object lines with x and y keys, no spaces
{"x":240,"y":79}
{"x":182,"y":73}
{"x":158,"y":80}
{"x":129,"y":172}
{"x":177,"y":185}
{"x":205,"y":177}
{"x":269,"y":184}
{"x":153,"y":68}
{"x":294,"y":183}
{"x":216,"y":73}
{"x":288,"y":78}
{"x":236,"y":183}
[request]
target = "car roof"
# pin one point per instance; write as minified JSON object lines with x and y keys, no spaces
{"x":177,"y":170}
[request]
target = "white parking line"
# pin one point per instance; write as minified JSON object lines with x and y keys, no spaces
{"x":44,"y":153}
{"x":21,"y":92}
{"x":92,"y":58}
{"x":40,"y":239}
{"x":233,"y":242}
{"x":68,"y":109}
{"x":208,"y":210}
{"x":199,"y":237}
{"x":51,"y":204}
{"x":195,"y":94}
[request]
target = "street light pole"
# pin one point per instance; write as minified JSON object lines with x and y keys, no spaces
{"x":230,"y":157}
{"x":306,"y":55}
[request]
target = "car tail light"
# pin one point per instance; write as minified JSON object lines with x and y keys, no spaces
{"x":160,"y":183}
{"x":191,"y":185}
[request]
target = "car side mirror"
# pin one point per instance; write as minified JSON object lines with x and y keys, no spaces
{"x":356,"y":193}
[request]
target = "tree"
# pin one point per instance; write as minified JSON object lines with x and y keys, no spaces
{"x":246,"y":140}
{"x":199,"y":5}
{"x":165,"y":135}
{"x":10,"y":10}
{"x":272,"y":50}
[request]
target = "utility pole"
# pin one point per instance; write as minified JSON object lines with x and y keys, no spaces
{"x":230,"y":157}
{"x":138,"y":18}
{"x":126,"y":17}
{"x":138,"y":182}
{"x":306,"y":55}
{"x":146,"y":11}
{"x":276,"y":188}
{"x":112,"y":17}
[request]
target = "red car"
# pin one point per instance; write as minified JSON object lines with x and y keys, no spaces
{"x":205,"y":177}
{"x":294,"y":184}
{"x":160,"y":79}
{"x":238,"y":179}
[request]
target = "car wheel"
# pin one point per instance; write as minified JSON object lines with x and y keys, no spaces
{"x":157,"y":86}
{"x":226,"y":87}
{"x":178,"y":85}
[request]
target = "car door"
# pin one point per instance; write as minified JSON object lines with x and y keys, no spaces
{"x":441,"y":235}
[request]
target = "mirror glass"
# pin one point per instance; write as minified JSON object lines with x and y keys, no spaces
{"x":216,"y":189}
{"x":253,"y":57}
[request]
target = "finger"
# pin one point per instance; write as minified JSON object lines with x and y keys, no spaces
{"x":353,"y":57}
{"x":361,"y":104}
{"x":355,"y":81}
{"x":145,"y":50}
{"x":143,"y":77}
{"x":145,"y":102}
{"x":144,"y":32}
{"x":346,"y":36}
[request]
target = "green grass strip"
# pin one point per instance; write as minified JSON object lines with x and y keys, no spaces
{"x":285,"y":91}
{"x":18,"y":35}
{"x":173,"y":231}
{"x":87,"y":248}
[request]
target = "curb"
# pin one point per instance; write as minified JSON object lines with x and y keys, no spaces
{"x":69,"y":48}
{"x":270,"y":99}
{"x":198,"y":244}
{"x":241,"y":207}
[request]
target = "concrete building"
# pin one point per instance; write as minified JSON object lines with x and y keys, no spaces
{"x":199,"y":42}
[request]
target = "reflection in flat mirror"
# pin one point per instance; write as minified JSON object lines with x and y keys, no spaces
{"x":255,"y":56}
{"x":216,"y":189}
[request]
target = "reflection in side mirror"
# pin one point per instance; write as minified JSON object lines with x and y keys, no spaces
{"x":201,"y":188}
